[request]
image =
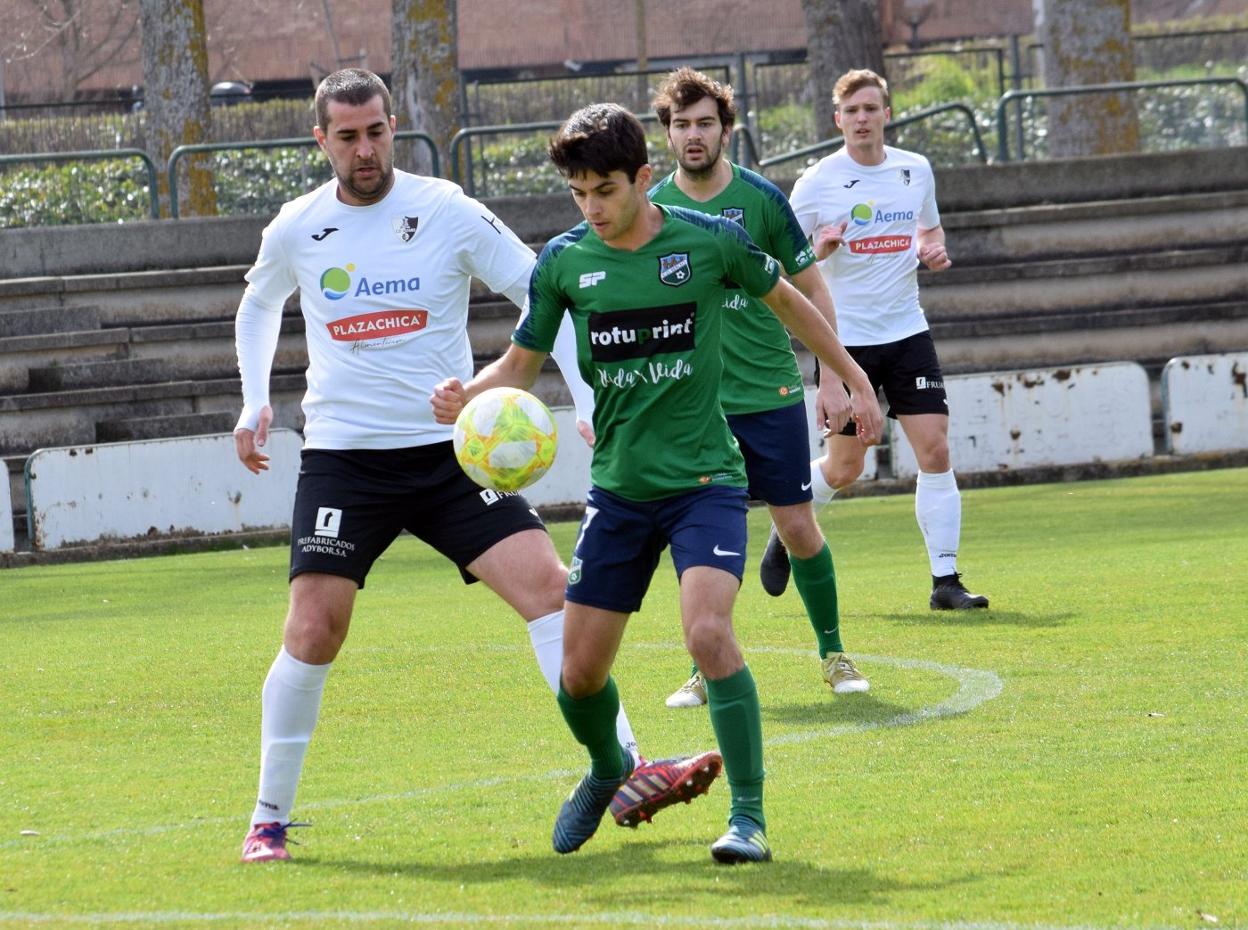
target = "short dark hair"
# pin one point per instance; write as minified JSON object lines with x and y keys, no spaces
{"x":851,"y":82}
{"x":349,"y":85}
{"x":684,"y":87}
{"x":602,"y":137}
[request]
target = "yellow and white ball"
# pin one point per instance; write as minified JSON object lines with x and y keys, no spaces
{"x":505,"y":439}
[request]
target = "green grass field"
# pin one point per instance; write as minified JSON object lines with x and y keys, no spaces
{"x":1073,"y":757}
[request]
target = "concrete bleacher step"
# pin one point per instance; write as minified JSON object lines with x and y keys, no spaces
{"x":33,"y":321}
{"x":134,"y":297}
{"x":130,"y":429}
{"x":100,"y":374}
{"x":1147,"y":224}
{"x":1205,"y":275}
{"x":66,"y":418}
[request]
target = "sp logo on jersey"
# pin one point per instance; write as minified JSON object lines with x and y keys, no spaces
{"x":674,"y":269}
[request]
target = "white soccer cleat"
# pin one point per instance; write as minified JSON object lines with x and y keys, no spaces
{"x":691,"y":694}
{"x":843,"y":676}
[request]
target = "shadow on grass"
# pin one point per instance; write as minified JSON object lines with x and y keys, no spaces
{"x":611,"y":877}
{"x":973,"y":618}
{"x":845,"y":709}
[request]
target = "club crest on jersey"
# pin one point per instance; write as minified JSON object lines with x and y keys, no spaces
{"x":736,"y":214}
{"x":405,"y":226}
{"x":905,"y":176}
{"x":674,"y":269}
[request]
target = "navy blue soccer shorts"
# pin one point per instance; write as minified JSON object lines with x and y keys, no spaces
{"x":776,"y":446}
{"x":620,"y":542}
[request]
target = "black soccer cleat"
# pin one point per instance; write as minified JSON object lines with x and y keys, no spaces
{"x":774,"y":569}
{"x":948,"y":593}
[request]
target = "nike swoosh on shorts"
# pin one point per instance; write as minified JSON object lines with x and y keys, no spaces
{"x":718,"y":551}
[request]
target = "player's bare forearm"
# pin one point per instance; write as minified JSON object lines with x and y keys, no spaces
{"x":517,"y":367}
{"x":800,"y":315}
{"x":931,"y":248}
{"x":812,"y":286}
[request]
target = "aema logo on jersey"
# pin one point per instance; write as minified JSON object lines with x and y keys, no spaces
{"x":674,"y":269}
{"x":337,"y":283}
{"x":736,"y":214}
{"x":623,"y":334}
{"x":864,"y":214}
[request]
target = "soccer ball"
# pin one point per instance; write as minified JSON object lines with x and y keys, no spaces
{"x":505,"y":439}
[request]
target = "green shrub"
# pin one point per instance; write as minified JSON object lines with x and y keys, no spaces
{"x":81,"y":192}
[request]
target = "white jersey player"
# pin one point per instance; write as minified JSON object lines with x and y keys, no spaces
{"x":871,"y":212}
{"x":383,"y":261}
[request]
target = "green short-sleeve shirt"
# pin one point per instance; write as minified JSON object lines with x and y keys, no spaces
{"x":648,"y":342}
{"x":760,"y":370}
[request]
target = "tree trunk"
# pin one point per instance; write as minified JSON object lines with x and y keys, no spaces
{"x":1088,"y":42}
{"x":424,"y":77}
{"x":175,"y":95}
{"x":840,"y":35}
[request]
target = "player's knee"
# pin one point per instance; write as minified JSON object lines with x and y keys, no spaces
{"x":580,"y":680}
{"x":839,"y":473}
{"x":802,"y":537}
{"x":711,"y":644}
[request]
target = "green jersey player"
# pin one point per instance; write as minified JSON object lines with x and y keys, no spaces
{"x":761,"y":391}
{"x":644,"y":286}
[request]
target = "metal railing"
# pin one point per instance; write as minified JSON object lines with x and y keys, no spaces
{"x":98,"y":155}
{"x":183,"y":151}
{"x":463,"y":139}
{"x":762,"y":164}
{"x":1003,"y":143}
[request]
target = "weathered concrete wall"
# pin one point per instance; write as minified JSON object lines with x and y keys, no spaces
{"x":198,"y":243}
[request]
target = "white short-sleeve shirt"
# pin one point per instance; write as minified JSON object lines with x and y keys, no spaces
{"x":384,"y":291}
{"x":873,"y":277}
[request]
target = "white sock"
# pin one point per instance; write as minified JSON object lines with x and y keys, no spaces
{"x":291,"y":701}
{"x":819,"y":487}
{"x":938,"y":508}
{"x":547,"y":635}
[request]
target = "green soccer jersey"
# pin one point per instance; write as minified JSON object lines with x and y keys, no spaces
{"x":760,"y":370}
{"x":648,"y":342}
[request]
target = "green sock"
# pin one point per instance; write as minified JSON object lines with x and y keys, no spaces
{"x":592,"y":721}
{"x":738,"y":725}
{"x":816,"y":583}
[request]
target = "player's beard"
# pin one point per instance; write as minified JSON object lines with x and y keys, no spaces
{"x":367,"y":193}
{"x":710,"y":161}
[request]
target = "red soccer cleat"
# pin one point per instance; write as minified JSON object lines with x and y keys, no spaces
{"x":267,"y":842}
{"x":656,"y":785}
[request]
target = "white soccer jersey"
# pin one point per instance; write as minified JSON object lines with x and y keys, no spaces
{"x":384,"y":292}
{"x":873,"y":277}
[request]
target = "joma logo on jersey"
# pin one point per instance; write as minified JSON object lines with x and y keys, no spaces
{"x":591,"y":278}
{"x":336,"y":284}
{"x":641,"y":333}
{"x":674,"y":269}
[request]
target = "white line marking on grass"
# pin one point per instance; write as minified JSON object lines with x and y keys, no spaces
{"x":780,"y":922}
{"x":975,"y":687}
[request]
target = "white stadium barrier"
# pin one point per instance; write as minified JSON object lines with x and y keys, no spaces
{"x":134,"y":490}
{"x":1020,"y":419}
{"x":6,"y":515}
{"x":1205,"y":400}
